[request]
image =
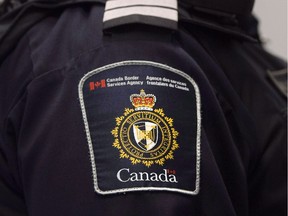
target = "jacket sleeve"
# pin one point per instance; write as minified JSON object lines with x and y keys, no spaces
{"x":15,"y":75}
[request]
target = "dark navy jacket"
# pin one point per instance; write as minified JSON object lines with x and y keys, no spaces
{"x":77,"y":136}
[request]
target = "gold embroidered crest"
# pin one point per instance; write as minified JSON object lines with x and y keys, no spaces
{"x":143,"y":134}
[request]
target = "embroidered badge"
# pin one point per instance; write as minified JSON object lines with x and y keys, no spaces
{"x":144,"y":135}
{"x":143,"y":125}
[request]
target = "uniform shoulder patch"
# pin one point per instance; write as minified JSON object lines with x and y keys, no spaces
{"x":143,"y":125}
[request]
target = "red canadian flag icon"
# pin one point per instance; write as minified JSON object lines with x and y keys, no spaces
{"x":98,"y":84}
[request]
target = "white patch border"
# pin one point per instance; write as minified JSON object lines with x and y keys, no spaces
{"x":90,"y":144}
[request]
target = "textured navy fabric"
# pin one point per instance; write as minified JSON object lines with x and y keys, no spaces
{"x":45,"y":160}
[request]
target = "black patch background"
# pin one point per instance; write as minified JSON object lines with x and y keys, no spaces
{"x":103,"y":105}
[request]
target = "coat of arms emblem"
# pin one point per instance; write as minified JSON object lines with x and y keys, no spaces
{"x":143,"y":134}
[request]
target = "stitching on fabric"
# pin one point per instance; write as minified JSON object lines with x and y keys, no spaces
{"x":90,"y":144}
